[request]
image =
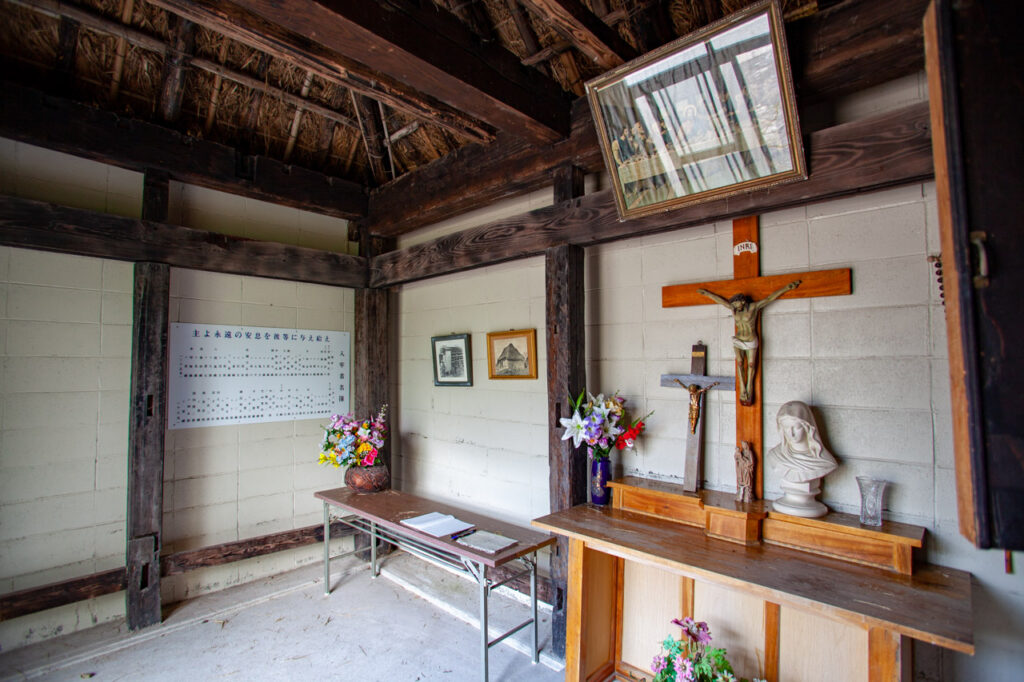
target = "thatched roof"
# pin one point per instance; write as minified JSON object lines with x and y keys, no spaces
{"x":118,"y":55}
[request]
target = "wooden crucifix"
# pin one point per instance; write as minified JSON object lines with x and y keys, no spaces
{"x":747,"y":281}
{"x":697,"y":384}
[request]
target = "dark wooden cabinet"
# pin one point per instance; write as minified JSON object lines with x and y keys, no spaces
{"x":976,"y":86}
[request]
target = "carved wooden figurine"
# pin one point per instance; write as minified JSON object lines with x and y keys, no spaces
{"x":744,"y":472}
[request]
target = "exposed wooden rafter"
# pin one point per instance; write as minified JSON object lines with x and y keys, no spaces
{"x":372,"y":129}
{"x":420,"y":50}
{"x":67,"y":46}
{"x":172,"y":87}
{"x":585,"y":30}
{"x":249,"y":29}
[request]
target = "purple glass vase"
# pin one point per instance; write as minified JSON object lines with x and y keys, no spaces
{"x":600,"y":473}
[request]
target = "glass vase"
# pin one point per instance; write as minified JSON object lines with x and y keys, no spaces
{"x":600,"y":473}
{"x":871,"y":490}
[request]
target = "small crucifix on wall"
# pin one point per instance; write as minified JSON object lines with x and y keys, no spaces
{"x":696,"y":384}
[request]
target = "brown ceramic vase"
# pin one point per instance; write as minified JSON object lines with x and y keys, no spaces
{"x":369,"y":479}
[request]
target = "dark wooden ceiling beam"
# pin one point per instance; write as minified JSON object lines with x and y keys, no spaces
{"x":870,"y":154}
{"x":29,"y":116}
{"x":48,"y":227}
{"x":854,"y":45}
{"x":509,"y":168}
{"x":418,"y":47}
{"x":257,"y":33}
{"x":474,"y":176}
{"x":572,"y":20}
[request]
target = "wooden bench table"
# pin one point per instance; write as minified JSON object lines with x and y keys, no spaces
{"x":380,"y":516}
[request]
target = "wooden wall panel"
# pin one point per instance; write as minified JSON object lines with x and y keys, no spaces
{"x":651,"y":598}
{"x":737,"y":623}
{"x":599,"y":614}
{"x":813,"y":647}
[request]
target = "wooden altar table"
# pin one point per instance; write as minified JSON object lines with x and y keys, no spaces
{"x":782,"y":614}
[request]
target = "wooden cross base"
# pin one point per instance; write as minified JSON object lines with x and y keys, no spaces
{"x":841,"y":536}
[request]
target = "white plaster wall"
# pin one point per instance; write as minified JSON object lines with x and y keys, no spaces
{"x":65,"y":349}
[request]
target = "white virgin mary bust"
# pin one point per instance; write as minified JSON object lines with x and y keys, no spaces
{"x":803,"y":459}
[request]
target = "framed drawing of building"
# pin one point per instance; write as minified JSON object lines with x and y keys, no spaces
{"x":453,"y":361}
{"x":708,"y":115}
{"x":512,"y":354}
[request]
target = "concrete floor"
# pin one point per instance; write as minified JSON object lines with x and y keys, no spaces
{"x":415,"y":622}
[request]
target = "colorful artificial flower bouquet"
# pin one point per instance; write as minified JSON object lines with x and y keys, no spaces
{"x":353,"y":442}
{"x":691,"y":658}
{"x":602,"y":424}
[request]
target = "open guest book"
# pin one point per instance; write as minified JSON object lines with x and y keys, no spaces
{"x":437,"y":524}
{"x":485,"y":541}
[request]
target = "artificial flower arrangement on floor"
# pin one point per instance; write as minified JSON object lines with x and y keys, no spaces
{"x":356,"y":443}
{"x":691,"y":658}
{"x":603,"y":425}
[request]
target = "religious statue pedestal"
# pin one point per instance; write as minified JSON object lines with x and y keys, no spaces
{"x":798,"y":499}
{"x":718,"y":513}
{"x":838,"y":535}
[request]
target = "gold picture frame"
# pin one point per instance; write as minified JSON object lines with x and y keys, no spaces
{"x":512,"y":354}
{"x":706,"y":116}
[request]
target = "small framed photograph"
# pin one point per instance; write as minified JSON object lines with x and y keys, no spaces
{"x":453,"y":362}
{"x":512,"y":354}
{"x":706,"y":116}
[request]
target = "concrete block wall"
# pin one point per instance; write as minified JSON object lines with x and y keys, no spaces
{"x":65,"y":349}
{"x":228,"y":483}
{"x":484,"y":446}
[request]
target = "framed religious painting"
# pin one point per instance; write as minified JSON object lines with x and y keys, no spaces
{"x":453,"y":362}
{"x":512,"y":354}
{"x":706,"y":116}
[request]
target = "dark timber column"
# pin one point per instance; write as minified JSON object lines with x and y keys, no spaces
{"x":566,"y":376}
{"x":371,"y":360}
{"x":146,"y":441}
{"x":371,"y":357}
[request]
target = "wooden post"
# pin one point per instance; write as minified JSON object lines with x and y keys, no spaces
{"x":566,"y":377}
{"x":371,"y":356}
{"x":371,"y":362}
{"x":155,"y":195}
{"x":146,"y":442}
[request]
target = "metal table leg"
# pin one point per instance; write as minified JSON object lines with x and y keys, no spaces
{"x":327,"y":549}
{"x":533,"y":604}
{"x":373,"y":549}
{"x":484,"y":637}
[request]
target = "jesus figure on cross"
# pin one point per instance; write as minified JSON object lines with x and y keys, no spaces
{"x":745,"y":313}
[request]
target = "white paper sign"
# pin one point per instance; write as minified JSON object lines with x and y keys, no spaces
{"x":226,"y":374}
